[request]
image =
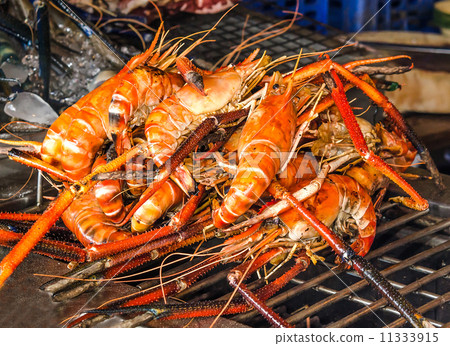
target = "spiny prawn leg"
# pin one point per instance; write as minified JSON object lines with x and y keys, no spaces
{"x":210,"y":308}
{"x":337,"y":91}
{"x":178,"y":221}
{"x":311,"y":70}
{"x":32,"y":161}
{"x":274,"y":319}
{"x":147,"y":296}
{"x":360,"y":264}
{"x":393,"y":115}
{"x":34,"y":235}
{"x":53,"y":213}
{"x":52,"y":248}
{"x":124,"y":260}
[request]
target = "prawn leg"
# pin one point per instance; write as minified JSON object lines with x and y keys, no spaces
{"x":337,"y":91}
{"x":322,"y":66}
{"x":152,"y":295}
{"x":10,"y":262}
{"x":174,"y":286}
{"x":364,"y":268}
{"x":32,"y":161}
{"x":178,"y":221}
{"x":35,"y":234}
{"x":142,"y":248}
{"x":46,"y":247}
{"x":192,"y":74}
{"x":275,"y":320}
{"x":209,"y":308}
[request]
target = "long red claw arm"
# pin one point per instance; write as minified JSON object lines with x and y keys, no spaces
{"x":337,"y":91}
{"x":34,"y":235}
{"x":347,"y":254}
{"x":53,"y":213}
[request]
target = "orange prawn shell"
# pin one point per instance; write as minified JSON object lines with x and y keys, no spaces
{"x":187,"y":107}
{"x":75,"y":137}
{"x":264,"y":144}
{"x":156,"y":206}
{"x":72,"y":156}
{"x":303,"y":167}
{"x":324,"y":205}
{"x":86,"y":220}
{"x":355,"y":201}
{"x":273,"y":122}
{"x":339,"y":198}
{"x":109,"y":195}
{"x":220,"y":88}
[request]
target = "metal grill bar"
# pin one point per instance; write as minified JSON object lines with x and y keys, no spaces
{"x":359,"y":300}
{"x":400,"y":221}
{"x":282,"y":297}
{"x":367,"y":302}
{"x":381,"y":302}
{"x":419,"y":269}
{"x":359,"y":285}
{"x":417,"y":235}
{"x":397,"y":285}
{"x":424,"y":308}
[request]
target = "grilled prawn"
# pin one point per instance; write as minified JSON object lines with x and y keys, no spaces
{"x":265,"y":140}
{"x":86,"y":219}
{"x":75,"y":137}
{"x":179,"y":114}
{"x":341,"y":198}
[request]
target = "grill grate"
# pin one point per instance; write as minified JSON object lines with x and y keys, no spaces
{"x":411,"y":250}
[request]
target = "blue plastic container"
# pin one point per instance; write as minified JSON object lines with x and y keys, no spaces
{"x":316,"y":9}
{"x":355,"y":15}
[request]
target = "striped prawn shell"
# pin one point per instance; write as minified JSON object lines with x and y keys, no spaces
{"x":76,"y":136}
{"x":109,"y":195}
{"x":168,"y":196}
{"x":143,"y":87}
{"x":91,"y":226}
{"x":178,"y":115}
{"x":339,"y":199}
{"x":356,"y":203}
{"x":174,"y":117}
{"x":263,"y":147}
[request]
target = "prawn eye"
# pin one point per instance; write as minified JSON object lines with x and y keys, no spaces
{"x":276,"y":86}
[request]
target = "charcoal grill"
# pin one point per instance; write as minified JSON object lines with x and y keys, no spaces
{"x":411,"y":248}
